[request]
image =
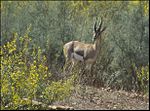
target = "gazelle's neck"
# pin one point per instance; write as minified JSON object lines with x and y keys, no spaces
{"x":96,"y":44}
{"x":96,"y":47}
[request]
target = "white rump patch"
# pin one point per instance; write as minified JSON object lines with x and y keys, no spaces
{"x":77,"y":57}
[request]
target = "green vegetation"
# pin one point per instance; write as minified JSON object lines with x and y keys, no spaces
{"x":143,"y":78}
{"x":24,"y":74}
{"x":32,"y":37}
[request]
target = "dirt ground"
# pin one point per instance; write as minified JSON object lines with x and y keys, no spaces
{"x":106,"y":99}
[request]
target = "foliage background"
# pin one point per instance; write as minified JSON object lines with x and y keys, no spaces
{"x":124,"y":57}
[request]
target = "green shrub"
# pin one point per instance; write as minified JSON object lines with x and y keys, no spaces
{"x":24,"y":74}
{"x":58,"y":90}
{"x":143,"y":78}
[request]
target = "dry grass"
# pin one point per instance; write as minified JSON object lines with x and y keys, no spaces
{"x":106,"y":98}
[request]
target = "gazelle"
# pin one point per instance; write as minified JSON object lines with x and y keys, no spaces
{"x":75,"y":51}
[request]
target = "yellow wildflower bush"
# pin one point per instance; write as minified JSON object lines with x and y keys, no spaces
{"x":24,"y":74}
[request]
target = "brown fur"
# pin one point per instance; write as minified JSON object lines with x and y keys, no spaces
{"x":76,"y":50}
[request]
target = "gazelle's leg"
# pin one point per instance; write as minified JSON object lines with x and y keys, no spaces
{"x":66,"y":65}
{"x":88,"y":67}
{"x":73,"y":63}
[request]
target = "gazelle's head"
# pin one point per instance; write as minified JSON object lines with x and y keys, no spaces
{"x":97,"y":32}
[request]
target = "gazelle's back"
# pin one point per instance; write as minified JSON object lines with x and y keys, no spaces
{"x":78,"y":50}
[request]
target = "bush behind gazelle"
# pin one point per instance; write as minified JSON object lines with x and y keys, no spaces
{"x":24,"y":74}
{"x":143,"y":78}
